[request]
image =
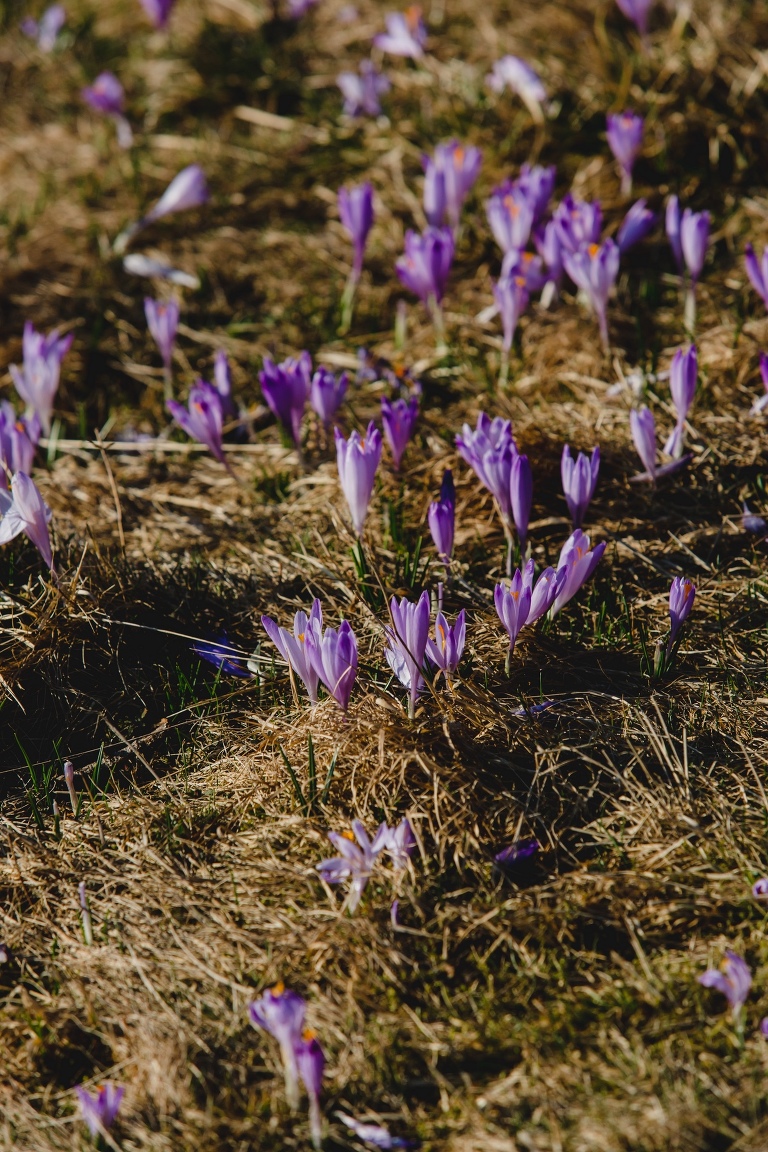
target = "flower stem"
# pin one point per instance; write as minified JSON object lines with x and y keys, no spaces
{"x":504,"y":368}
{"x":438,"y":322}
{"x":689,"y":320}
{"x":347,"y":302}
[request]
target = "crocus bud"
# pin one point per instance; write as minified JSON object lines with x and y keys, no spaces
{"x":24,"y":510}
{"x":285,"y":387}
{"x":399,"y":419}
{"x":625,"y":138}
{"x":579,"y":480}
{"x":356,"y":214}
{"x":450,"y":176}
{"x":511,"y":296}
{"x":163,"y":321}
{"x":447,"y":648}
{"x":643,"y":428}
{"x":311,"y":1062}
{"x":681,"y":596}
{"x":520,"y":496}
{"x":69,"y":780}
{"x":757,"y":270}
{"x":188,"y":189}
{"x":203,"y":419}
{"x":510,"y":216}
{"x":694,"y":237}
{"x":357,"y":460}
{"x":37,"y":381}
{"x":441,"y":517}
{"x":682,"y":384}
{"x":333,"y":656}
{"x":18,"y":441}
{"x":327,"y":392}
{"x":426,"y":264}
{"x":85,"y":914}
{"x":635,"y":226}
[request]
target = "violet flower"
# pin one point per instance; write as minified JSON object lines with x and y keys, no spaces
{"x":442,"y":517}
{"x":762,"y":401}
{"x":280,"y":1012}
{"x":760,"y":889}
{"x":400,"y":843}
{"x":681,"y":596}
{"x":407,"y":644}
{"x":489,"y":451}
{"x":643,"y":428}
{"x":510,"y":216}
{"x":637,"y":11}
{"x":377,"y":1135}
{"x":753,"y":523}
{"x":406,"y":34}
{"x":682,"y":384}
{"x":310,"y":1059}
{"x":694,"y":238}
{"x":106,"y":96}
{"x":424,"y":269}
{"x":447,"y":648}
{"x":578,"y":222}
{"x":549,"y":245}
{"x":580,"y":561}
{"x":202,"y":419}
{"x":223,"y":657}
{"x":46,"y":30}
{"x":357,"y":460}
{"x":24,"y":510}
{"x":188,"y":189}
{"x":733,"y":979}
{"x":333,"y":657}
{"x":516,"y":851}
{"x":356,"y":214}
{"x":37,"y":380}
{"x":158,"y":11}
{"x":326,"y":393}
{"x":19,"y":437}
{"x":537,"y":184}
{"x":285,"y":387}
{"x":163,"y":322}
{"x":222,"y":382}
{"x":579,"y":478}
{"x":458,"y":165}
{"x":355,"y":861}
{"x":594,"y":271}
{"x":625,"y":139}
{"x":399,"y":419}
{"x":525,"y":266}
{"x":293,"y":648}
{"x":635,"y":226}
{"x":525,"y":602}
{"x":757,"y":270}
{"x":511,"y":296}
{"x":99,"y":1111}
{"x":361,"y":90}
{"x":515,"y":74}
{"x":520,"y":496}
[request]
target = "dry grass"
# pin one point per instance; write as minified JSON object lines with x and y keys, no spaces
{"x":556,"y":1009}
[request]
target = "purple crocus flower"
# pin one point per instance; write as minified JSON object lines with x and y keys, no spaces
{"x":311,"y":1062}
{"x":580,"y":561}
{"x":757,"y":270}
{"x":424,"y":267}
{"x":99,"y":1111}
{"x":356,"y":214}
{"x":377,"y":1135}
{"x":733,"y":979}
{"x":643,"y":428}
{"x":355,"y":861}
{"x":637,"y":11}
{"x":760,"y":889}
{"x":285,"y":387}
{"x":682,"y":384}
{"x":326,"y":393}
{"x":625,"y":139}
{"x":512,"y":606}
{"x":579,"y":478}
{"x":511,"y":296}
{"x":19,"y":437}
{"x":361,"y":90}
{"x":46,"y":30}
{"x":407,"y":644}
{"x":37,"y":380}
{"x":294,"y":648}
{"x":280,"y":1012}
{"x":106,"y":96}
{"x":202,"y":419}
{"x":223,"y":657}
{"x":762,"y":401}
{"x":635,"y":226}
{"x":222,"y":381}
{"x":489,"y":451}
{"x":694,"y":238}
{"x":578,"y":222}
{"x":525,"y":266}
{"x":594,"y":270}
{"x":455,"y":167}
{"x":406,"y":34}
{"x":442,"y":517}
{"x":519,"y":77}
{"x":549,"y":245}
{"x":400,"y":843}
{"x":399,"y":419}
{"x":517,"y":851}
{"x":357,"y":460}
{"x":158,"y":11}
{"x":520,"y":496}
{"x":681,"y":596}
{"x":537,"y":184}
{"x":163,"y":322}
{"x":24,"y":510}
{"x":333,"y":656}
{"x":510,"y":216}
{"x":447,"y":648}
{"x":188,"y":189}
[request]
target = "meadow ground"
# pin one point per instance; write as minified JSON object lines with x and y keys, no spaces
{"x":555,"y":1006}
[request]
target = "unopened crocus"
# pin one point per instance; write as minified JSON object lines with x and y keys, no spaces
{"x":550,"y":248}
{"x":757,"y":270}
{"x":579,"y":478}
{"x":406,"y":34}
{"x":454,"y":167}
{"x":489,"y":451}
{"x":376,"y":1135}
{"x":163,"y":323}
{"x":733,"y":979}
{"x":356,"y":214}
{"x":637,"y":11}
{"x":511,"y":296}
{"x":579,"y":223}
{"x":326,"y":393}
{"x":519,"y":77}
{"x":24,"y":510}
{"x":158,"y":11}
{"x":311,"y":1063}
{"x":625,"y":139}
{"x":357,"y":459}
{"x":400,"y":843}
{"x":510,"y":216}
{"x":355,"y":861}
{"x":333,"y":656}
{"x":99,"y":1111}
{"x":69,"y":780}
{"x":37,"y":380}
{"x":635,"y":226}
{"x":762,"y":401}
{"x":681,"y":596}
{"x":694,"y":238}
{"x":222,"y":381}
{"x":594,"y":270}
{"x":399,"y":419}
{"x":202,"y":419}
{"x":520,"y":496}
{"x":285,"y":387}
{"x":106,"y":96}
{"x":188,"y":189}
{"x":424,"y":269}
{"x":362,"y":90}
{"x":407,"y":644}
{"x":537,"y":183}
{"x":447,"y":648}
{"x":280,"y":1012}
{"x":643,"y":428}
{"x":293,"y":648}
{"x":19,"y":437}
{"x":442,"y":518}
{"x":580,"y":561}
{"x":683,"y":373}
{"x":46,"y":30}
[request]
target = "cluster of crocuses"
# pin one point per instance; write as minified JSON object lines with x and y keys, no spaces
{"x":356,"y":860}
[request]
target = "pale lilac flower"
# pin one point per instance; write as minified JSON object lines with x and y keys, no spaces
{"x":399,"y":419}
{"x":517,"y":851}
{"x":637,"y":11}
{"x":525,"y":602}
{"x":515,"y":74}
{"x":99,"y":1112}
{"x":458,"y":166}
{"x":406,"y":34}
{"x":333,"y":656}
{"x":188,"y":189}
{"x":280,"y":1012}
{"x":757,"y":270}
{"x":326,"y":393}
{"x":682,"y":384}
{"x":222,"y":381}
{"x":625,"y":139}
{"x":293,"y":648}
{"x":69,"y":780}
{"x":489,"y":451}
{"x":19,"y":437}
{"x":24,"y":510}
{"x":635,"y":226}
{"x":140,"y":265}
{"x":356,"y":214}
{"x":311,"y":1062}
{"x":361,"y":91}
{"x":694,"y":238}
{"x":426,"y":263}
{"x":285,"y":387}
{"x":400,"y":843}
{"x":377,"y":1135}
{"x":510,"y":216}
{"x":46,"y":30}
{"x":760,"y":889}
{"x":578,"y":222}
{"x":433,"y":196}
{"x":673,"y":223}
{"x":537,"y":184}
{"x":355,"y":861}
{"x":407,"y":644}
{"x":750,"y":522}
{"x":106,"y":95}
{"x":643,"y":428}
{"x":357,"y":460}
{"x":163,"y":322}
{"x":549,"y":245}
{"x":520,"y":496}
{"x":580,"y":562}
{"x":442,"y":516}
{"x":157,"y":11}
{"x":733,"y":979}
{"x":594,"y":271}
{"x":579,"y":478}
{"x":37,"y":380}
{"x":681,"y":596}
{"x":203,"y":418}
{"x":447,"y":648}
{"x":762,"y":401}
{"x":511,"y":296}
